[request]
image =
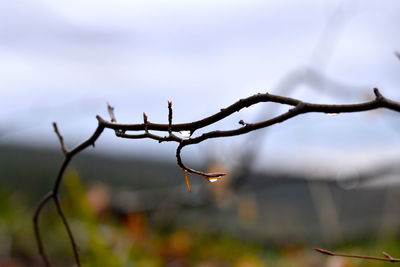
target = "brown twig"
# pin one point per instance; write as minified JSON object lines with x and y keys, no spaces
{"x":386,"y":258}
{"x":298,"y":107}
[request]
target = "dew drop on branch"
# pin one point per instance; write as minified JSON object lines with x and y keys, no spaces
{"x":213,"y":179}
{"x":186,"y":134}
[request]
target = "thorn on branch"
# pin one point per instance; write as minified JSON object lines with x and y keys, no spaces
{"x":145,"y":122}
{"x":60,"y":138}
{"x":377,"y":93}
{"x":170,"y":117}
{"x":110,"y":110}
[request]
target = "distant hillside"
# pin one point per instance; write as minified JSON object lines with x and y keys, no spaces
{"x":33,"y":170}
{"x":272,"y":207}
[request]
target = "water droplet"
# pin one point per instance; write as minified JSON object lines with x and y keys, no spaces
{"x":332,"y":114}
{"x":185,"y":134}
{"x":213,"y":179}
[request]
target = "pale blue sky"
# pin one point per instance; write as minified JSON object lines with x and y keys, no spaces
{"x":64,"y":60}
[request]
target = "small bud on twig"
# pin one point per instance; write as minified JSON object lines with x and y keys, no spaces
{"x":110,"y":110}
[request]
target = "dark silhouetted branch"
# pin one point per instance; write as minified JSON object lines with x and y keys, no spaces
{"x":297,"y":107}
{"x":60,"y":138}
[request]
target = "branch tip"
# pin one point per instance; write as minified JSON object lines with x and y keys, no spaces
{"x":377,"y":93}
{"x":324,"y":251}
{"x":100,"y":119}
{"x":145,"y":122}
{"x":387,"y":255}
{"x":170,"y":117}
{"x":60,"y":138}
{"x":110,"y":110}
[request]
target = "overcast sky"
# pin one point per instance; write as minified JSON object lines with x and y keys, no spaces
{"x":64,"y":60}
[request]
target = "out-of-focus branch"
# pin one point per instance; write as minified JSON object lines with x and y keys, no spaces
{"x":298,"y":107}
{"x":387,"y":257}
{"x":53,"y":194}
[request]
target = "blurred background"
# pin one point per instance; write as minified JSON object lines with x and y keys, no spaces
{"x":313,"y":181}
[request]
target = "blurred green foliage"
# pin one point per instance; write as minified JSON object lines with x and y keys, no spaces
{"x":106,"y":239}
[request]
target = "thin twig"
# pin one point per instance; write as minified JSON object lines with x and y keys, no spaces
{"x":330,"y":253}
{"x":60,"y":138}
{"x":184,"y":167}
{"x":53,"y":195}
{"x":38,"y":237}
{"x":145,"y":123}
{"x":169,"y":117}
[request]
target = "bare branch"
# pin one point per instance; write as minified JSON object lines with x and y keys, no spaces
{"x":68,"y":228}
{"x":298,"y":107}
{"x":255,"y":99}
{"x":38,"y":237}
{"x":386,"y":258}
{"x":53,"y":195}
